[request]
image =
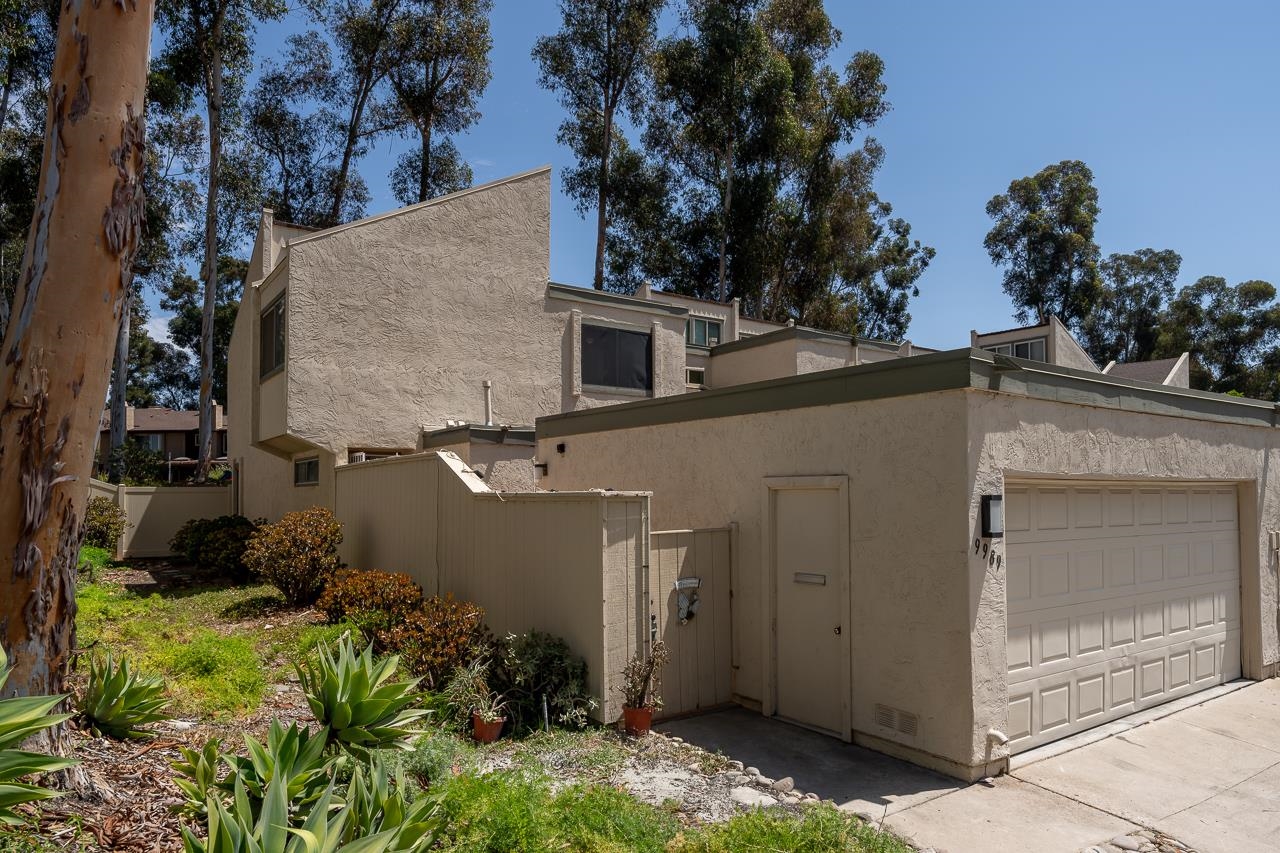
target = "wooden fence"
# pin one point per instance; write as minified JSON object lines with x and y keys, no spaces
{"x":156,"y":512}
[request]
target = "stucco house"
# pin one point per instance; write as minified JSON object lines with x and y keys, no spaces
{"x":952,"y":557}
{"x":173,"y":433}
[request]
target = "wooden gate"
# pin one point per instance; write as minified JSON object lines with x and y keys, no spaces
{"x":690,"y":575}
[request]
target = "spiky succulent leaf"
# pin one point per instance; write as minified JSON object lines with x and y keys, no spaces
{"x":20,"y":718}
{"x":118,"y":702}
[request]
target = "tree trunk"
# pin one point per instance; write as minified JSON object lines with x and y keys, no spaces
{"x":340,"y":184}
{"x":7,"y":92}
{"x":57,"y":348}
{"x":214,"y":103}
{"x":724,"y":226}
{"x":119,"y":384}
{"x":424,"y":171}
{"x":602,"y":202}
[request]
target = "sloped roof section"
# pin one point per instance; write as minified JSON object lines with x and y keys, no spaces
{"x":1144,"y":371}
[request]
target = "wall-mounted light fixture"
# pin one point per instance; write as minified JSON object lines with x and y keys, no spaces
{"x":992,"y":516}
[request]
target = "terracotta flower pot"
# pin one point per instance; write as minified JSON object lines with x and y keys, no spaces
{"x":636,"y":721}
{"x":482,"y":732}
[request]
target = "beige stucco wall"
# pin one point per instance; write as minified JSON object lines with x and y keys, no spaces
{"x":813,"y":355}
{"x":504,"y":467}
{"x":1065,"y":350}
{"x":753,"y":364}
{"x":567,"y":564}
{"x":905,"y":459}
{"x":928,"y":630}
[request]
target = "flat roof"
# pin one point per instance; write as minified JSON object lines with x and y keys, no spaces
{"x":605,"y":297}
{"x":945,"y":371}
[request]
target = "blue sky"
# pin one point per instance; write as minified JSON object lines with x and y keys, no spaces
{"x":1174,"y":105}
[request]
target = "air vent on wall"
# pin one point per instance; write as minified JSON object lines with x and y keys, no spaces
{"x":904,"y":722}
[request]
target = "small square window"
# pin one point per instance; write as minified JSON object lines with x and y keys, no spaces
{"x":695,"y":376}
{"x":306,"y":472}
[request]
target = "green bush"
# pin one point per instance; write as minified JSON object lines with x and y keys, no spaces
{"x":104,"y":523}
{"x":353,"y":694}
{"x":298,"y":554}
{"x":216,"y":544}
{"x":438,"y":756}
{"x":374,"y":601}
{"x":601,"y":819}
{"x":118,"y":702}
{"x":441,"y":636}
{"x":821,"y":829}
{"x":137,"y":464}
{"x":528,"y":667}
{"x":20,"y":718}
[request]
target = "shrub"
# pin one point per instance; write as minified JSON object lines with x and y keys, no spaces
{"x":527,"y":668}
{"x":354,"y":696}
{"x":216,"y":544}
{"x":438,"y":756}
{"x":441,"y":636}
{"x":468,"y":693}
{"x":374,"y":601}
{"x":297,"y":554}
{"x":20,"y":718}
{"x":104,"y":523}
{"x":641,"y":678}
{"x":136,"y":463}
{"x":117,"y":701}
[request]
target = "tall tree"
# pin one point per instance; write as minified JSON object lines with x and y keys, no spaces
{"x":209,"y":47}
{"x":441,"y":70}
{"x":1232,"y":334}
{"x":57,"y":346}
{"x":364,"y":33}
{"x":596,"y":64}
{"x":1043,"y":237}
{"x":1123,"y":323}
{"x":182,"y":297}
{"x":720,"y":91}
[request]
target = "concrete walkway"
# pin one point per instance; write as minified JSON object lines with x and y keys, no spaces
{"x":1207,"y":775}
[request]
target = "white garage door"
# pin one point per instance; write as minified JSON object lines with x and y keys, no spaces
{"x":1120,"y":597}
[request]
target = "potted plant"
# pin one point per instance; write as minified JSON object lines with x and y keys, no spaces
{"x":641,"y":689}
{"x":468,"y":692}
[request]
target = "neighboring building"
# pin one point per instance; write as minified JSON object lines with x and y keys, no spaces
{"x":172,"y":433}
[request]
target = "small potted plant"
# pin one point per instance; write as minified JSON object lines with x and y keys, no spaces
{"x":641,"y":689}
{"x":468,"y":692}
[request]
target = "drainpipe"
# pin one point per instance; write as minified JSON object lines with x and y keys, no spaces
{"x":488,"y":403}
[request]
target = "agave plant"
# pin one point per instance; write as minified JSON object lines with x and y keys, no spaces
{"x":353,"y":694}
{"x":20,"y":718}
{"x":326,"y":826}
{"x":377,"y":804}
{"x":117,"y":701}
{"x":292,"y":759}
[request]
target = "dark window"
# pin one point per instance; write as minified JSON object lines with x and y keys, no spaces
{"x":306,"y":472}
{"x":616,"y":358}
{"x":271,"y":338}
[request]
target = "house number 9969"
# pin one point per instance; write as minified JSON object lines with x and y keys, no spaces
{"x":988,"y":553}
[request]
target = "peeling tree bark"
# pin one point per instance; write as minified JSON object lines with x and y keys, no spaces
{"x":57,"y":351}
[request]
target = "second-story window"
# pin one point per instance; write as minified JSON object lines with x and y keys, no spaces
{"x":617,"y":358}
{"x":702,"y":333}
{"x":1032,"y":349}
{"x":271,"y":338}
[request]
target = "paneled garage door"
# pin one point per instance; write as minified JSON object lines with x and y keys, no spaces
{"x":1120,"y":597}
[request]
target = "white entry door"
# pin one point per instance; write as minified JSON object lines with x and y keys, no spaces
{"x":809,"y":544}
{"x":1120,"y":596}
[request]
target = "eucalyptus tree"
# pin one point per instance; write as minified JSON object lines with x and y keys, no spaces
{"x":1123,"y":324}
{"x":441,"y":70}
{"x":1043,"y":238}
{"x":208,"y":46}
{"x":597,"y":65}
{"x":1232,"y":333}
{"x":89,"y":214}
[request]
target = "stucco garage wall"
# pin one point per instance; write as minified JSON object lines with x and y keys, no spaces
{"x":906,"y":462}
{"x":1012,"y":435}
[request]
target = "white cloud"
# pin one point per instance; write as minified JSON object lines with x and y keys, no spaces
{"x":480,"y":161}
{"x":158,"y":328}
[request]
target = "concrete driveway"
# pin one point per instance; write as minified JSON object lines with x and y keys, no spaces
{"x":1205,"y":777}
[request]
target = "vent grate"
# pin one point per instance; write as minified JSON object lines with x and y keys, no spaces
{"x":898,"y":720}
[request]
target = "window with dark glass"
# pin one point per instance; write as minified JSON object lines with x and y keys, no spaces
{"x":702,"y":333}
{"x":271,"y":338}
{"x":617,"y":358}
{"x":306,"y":472}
